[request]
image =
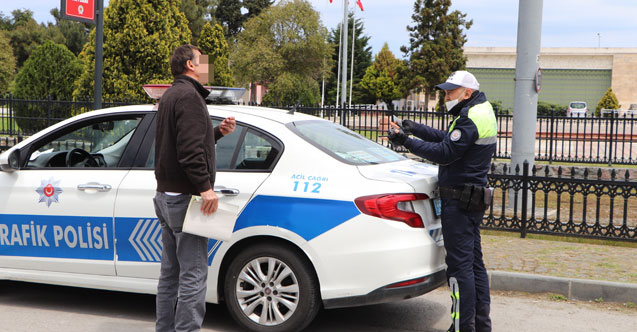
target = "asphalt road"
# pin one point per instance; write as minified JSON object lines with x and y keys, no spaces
{"x":35,"y":308}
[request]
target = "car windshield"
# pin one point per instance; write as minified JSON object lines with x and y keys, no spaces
{"x":344,"y":144}
{"x":578,"y":105}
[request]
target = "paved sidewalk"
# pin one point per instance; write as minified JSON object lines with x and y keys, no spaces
{"x":576,"y":270}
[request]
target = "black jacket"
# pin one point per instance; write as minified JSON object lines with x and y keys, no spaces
{"x":185,"y":139}
{"x":463,"y":157}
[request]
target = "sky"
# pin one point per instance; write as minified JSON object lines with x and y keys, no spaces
{"x":565,"y":23}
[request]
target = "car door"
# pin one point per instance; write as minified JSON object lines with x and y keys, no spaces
{"x":57,"y":209}
{"x":244,"y":159}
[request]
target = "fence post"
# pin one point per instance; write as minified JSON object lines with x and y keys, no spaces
{"x":551,"y":136}
{"x":610,"y":140}
{"x":525,"y":196}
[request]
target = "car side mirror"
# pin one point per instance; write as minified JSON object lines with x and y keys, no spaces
{"x":10,"y":162}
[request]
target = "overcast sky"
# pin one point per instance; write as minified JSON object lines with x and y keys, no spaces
{"x":565,"y":23}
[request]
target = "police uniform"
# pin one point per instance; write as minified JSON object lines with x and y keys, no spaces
{"x":463,"y":153}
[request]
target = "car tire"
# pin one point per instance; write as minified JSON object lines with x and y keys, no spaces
{"x":271,"y":288}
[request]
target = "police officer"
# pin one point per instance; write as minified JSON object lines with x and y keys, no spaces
{"x":463,"y":153}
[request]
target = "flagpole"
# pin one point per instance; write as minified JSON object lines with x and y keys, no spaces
{"x":323,"y":74}
{"x":344,"y":73}
{"x":338,"y":72}
{"x":351,"y":80}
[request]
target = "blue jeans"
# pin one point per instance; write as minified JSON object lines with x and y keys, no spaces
{"x":181,"y":291}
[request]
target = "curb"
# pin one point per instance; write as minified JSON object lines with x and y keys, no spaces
{"x":571,"y":288}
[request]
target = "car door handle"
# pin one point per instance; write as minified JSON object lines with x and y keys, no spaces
{"x":94,"y":186}
{"x":227,"y":191}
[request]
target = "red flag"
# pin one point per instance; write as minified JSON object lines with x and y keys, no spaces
{"x":330,"y":1}
{"x":360,"y":4}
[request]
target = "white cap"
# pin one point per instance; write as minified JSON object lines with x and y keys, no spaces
{"x":460,"y":78}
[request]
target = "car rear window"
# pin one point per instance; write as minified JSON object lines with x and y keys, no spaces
{"x":578,"y":105}
{"x":343,"y":143}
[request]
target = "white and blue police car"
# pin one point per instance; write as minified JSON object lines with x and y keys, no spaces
{"x":327,"y":218}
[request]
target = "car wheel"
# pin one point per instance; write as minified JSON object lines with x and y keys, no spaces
{"x":270,"y":288}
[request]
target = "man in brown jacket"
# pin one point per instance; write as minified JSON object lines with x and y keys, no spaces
{"x":184,"y":166}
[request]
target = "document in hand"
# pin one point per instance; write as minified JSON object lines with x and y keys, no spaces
{"x":218,"y":226}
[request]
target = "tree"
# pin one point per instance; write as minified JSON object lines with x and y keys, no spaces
{"x":7,"y":60}
{"x":25,"y":34}
{"x":286,"y":39}
{"x":214,"y":44}
{"x":228,"y":13}
{"x":48,"y":73}
{"x":75,"y":33}
{"x":362,"y":60}
{"x":139,"y":38}
{"x":436,"y":42}
{"x":195,"y":11}
{"x":382,"y":79}
{"x":608,"y":101}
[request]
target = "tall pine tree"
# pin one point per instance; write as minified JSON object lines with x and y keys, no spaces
{"x":214,"y":44}
{"x":195,"y":11}
{"x":362,"y":60}
{"x":436,"y":42}
{"x":228,"y":13}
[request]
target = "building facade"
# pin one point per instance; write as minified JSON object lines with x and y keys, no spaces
{"x":568,"y":74}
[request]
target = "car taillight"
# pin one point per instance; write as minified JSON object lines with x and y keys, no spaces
{"x":407,"y":283}
{"x":393,"y":207}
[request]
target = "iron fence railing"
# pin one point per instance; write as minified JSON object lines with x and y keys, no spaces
{"x":564,"y":201}
{"x":24,"y":117}
{"x":601,"y":140}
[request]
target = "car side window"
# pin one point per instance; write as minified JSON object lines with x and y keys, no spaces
{"x":244,"y":149}
{"x":225,"y":147}
{"x":257,"y":152}
{"x":99,"y":143}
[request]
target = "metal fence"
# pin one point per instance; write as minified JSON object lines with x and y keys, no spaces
{"x":564,"y":201}
{"x":24,"y":117}
{"x":601,"y":140}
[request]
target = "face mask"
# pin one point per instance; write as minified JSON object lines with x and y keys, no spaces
{"x":450,"y":104}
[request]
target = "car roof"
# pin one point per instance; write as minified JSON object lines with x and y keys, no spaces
{"x":272,"y":114}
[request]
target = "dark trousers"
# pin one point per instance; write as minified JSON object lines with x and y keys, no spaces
{"x":181,"y":291}
{"x":465,"y":267}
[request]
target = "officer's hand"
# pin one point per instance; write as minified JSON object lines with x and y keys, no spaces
{"x":408,"y":126}
{"x":210,"y":202}
{"x":397,"y":136}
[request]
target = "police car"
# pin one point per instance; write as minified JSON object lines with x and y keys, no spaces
{"x":327,"y":218}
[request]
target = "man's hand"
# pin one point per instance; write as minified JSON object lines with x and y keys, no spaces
{"x":210,"y":202}
{"x":227,"y":125}
{"x":396,"y":135}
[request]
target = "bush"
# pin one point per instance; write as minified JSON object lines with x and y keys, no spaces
{"x":498,"y":108}
{"x":608,"y":101}
{"x":48,"y":73}
{"x":548,"y":109}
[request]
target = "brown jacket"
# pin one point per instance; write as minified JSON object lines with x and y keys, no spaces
{"x":185,"y":139}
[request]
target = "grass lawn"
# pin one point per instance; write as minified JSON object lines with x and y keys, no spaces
{"x":559,"y":238}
